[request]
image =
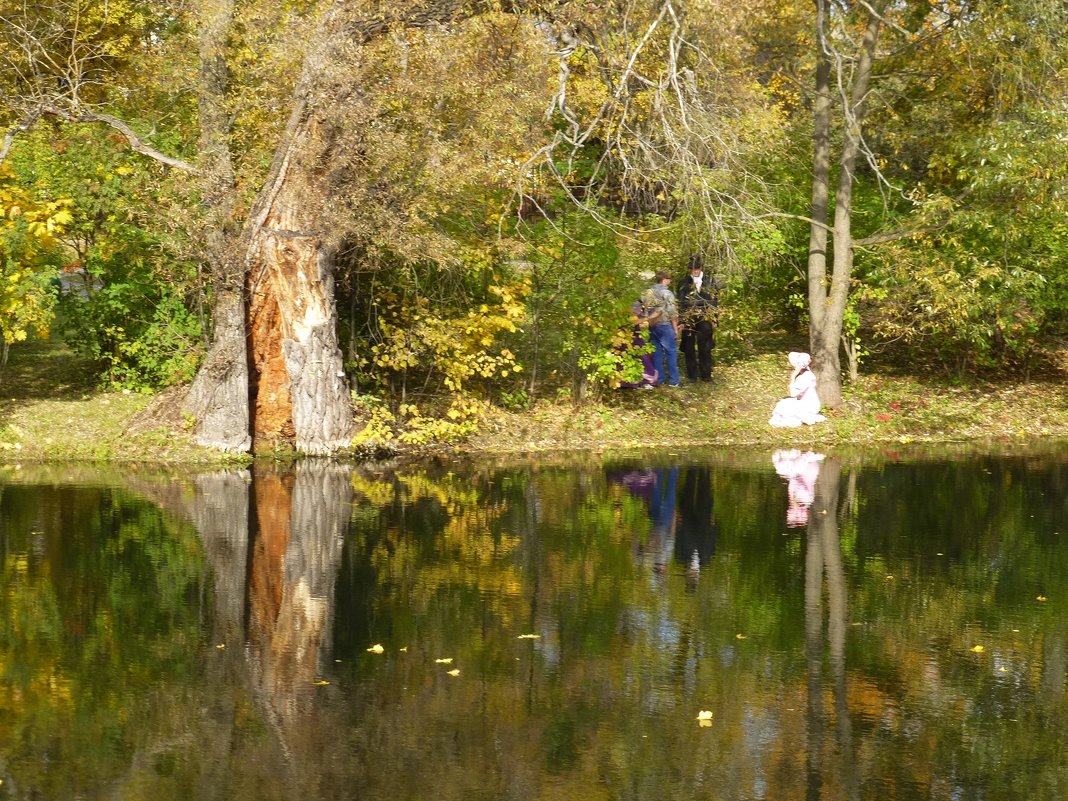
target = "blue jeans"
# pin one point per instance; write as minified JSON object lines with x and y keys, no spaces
{"x":665,"y":349}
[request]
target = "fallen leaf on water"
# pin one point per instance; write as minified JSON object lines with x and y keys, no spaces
{"x":446,"y":661}
{"x":454,"y":672}
{"x":1041,"y":598}
{"x":704,"y":724}
{"x":529,"y":637}
{"x":221,"y":645}
{"x":704,"y":714}
{"x":737,"y":637}
{"x":977,"y":649}
{"x":376,"y":649}
{"x":404,"y":650}
{"x":321,"y":683}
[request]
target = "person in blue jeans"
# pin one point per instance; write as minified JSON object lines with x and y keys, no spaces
{"x":663,"y":315}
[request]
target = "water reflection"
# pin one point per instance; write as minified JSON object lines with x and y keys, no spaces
{"x":801,"y":469}
{"x":218,"y":649}
{"x":681,"y":514}
{"x":824,"y":569}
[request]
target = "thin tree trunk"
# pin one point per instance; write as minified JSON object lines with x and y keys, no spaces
{"x":827,"y":308}
{"x":821,"y":179}
{"x":814,"y":662}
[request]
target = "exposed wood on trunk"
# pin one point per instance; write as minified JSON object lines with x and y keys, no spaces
{"x":294,"y":387}
{"x":299,"y":388}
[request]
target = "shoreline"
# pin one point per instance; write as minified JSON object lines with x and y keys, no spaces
{"x":881,"y":411}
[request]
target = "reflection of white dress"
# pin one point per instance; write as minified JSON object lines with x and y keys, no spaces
{"x":800,"y":471}
{"x":803,"y":405}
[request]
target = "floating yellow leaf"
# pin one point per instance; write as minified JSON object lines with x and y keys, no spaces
{"x":446,"y":661}
{"x":376,"y":649}
{"x":321,"y":683}
{"x":977,"y":649}
{"x":738,"y":637}
{"x":404,"y":650}
{"x":704,"y":724}
{"x":454,"y":672}
{"x":704,"y":714}
{"x":529,"y":637}
{"x":221,"y":645}
{"x":1041,"y":598}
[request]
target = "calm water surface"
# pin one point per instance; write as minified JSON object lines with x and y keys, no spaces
{"x":851,"y":628}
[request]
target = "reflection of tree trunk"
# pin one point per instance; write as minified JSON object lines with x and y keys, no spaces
{"x":824,"y":558}
{"x":301,"y":521}
{"x":217,"y":505}
{"x":219,"y":511}
{"x":1054,"y":666}
{"x":825,"y":524}
{"x":220,"y":515}
{"x":814,"y":659}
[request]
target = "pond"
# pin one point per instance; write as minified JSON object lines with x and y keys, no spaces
{"x":759,"y":626}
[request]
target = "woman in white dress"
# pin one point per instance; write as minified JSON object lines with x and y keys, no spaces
{"x":803,"y":405}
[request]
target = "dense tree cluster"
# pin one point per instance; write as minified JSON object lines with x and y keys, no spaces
{"x":426,"y":205}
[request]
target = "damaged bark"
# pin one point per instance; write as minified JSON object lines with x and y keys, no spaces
{"x":274,"y":374}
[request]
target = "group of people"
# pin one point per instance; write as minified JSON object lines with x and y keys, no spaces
{"x":686,"y":316}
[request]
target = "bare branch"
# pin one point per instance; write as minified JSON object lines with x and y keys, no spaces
{"x":136,"y":142}
{"x":9,"y":137}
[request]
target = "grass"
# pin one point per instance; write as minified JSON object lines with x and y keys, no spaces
{"x":734,"y":410}
{"x":51,"y":411}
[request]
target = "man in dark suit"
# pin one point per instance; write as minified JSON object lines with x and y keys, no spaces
{"x":698,"y":305}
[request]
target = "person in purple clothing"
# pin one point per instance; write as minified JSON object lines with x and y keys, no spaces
{"x":640,"y":342}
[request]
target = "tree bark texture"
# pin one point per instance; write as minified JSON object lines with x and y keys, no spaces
{"x":300,"y":519}
{"x":821,"y":179}
{"x":219,"y":396}
{"x":827,"y":303}
{"x":274,"y":373}
{"x":298,"y":387}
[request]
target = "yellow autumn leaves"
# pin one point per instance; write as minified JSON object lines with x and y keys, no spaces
{"x":28,"y":229}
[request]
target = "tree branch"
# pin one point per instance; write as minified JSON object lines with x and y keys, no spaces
{"x":21,"y":127}
{"x":895,"y":234}
{"x":136,"y":142}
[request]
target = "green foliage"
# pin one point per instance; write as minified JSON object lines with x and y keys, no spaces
{"x":133,"y":286}
{"x":28,"y":259}
{"x":990,"y":288}
{"x":578,"y":311}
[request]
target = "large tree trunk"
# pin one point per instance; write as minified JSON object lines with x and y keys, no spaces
{"x":299,"y":392}
{"x":219,"y":395}
{"x":827,"y":305}
{"x":276,"y":370}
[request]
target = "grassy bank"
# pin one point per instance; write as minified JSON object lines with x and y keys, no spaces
{"x":734,"y":410}
{"x":50,"y":411}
